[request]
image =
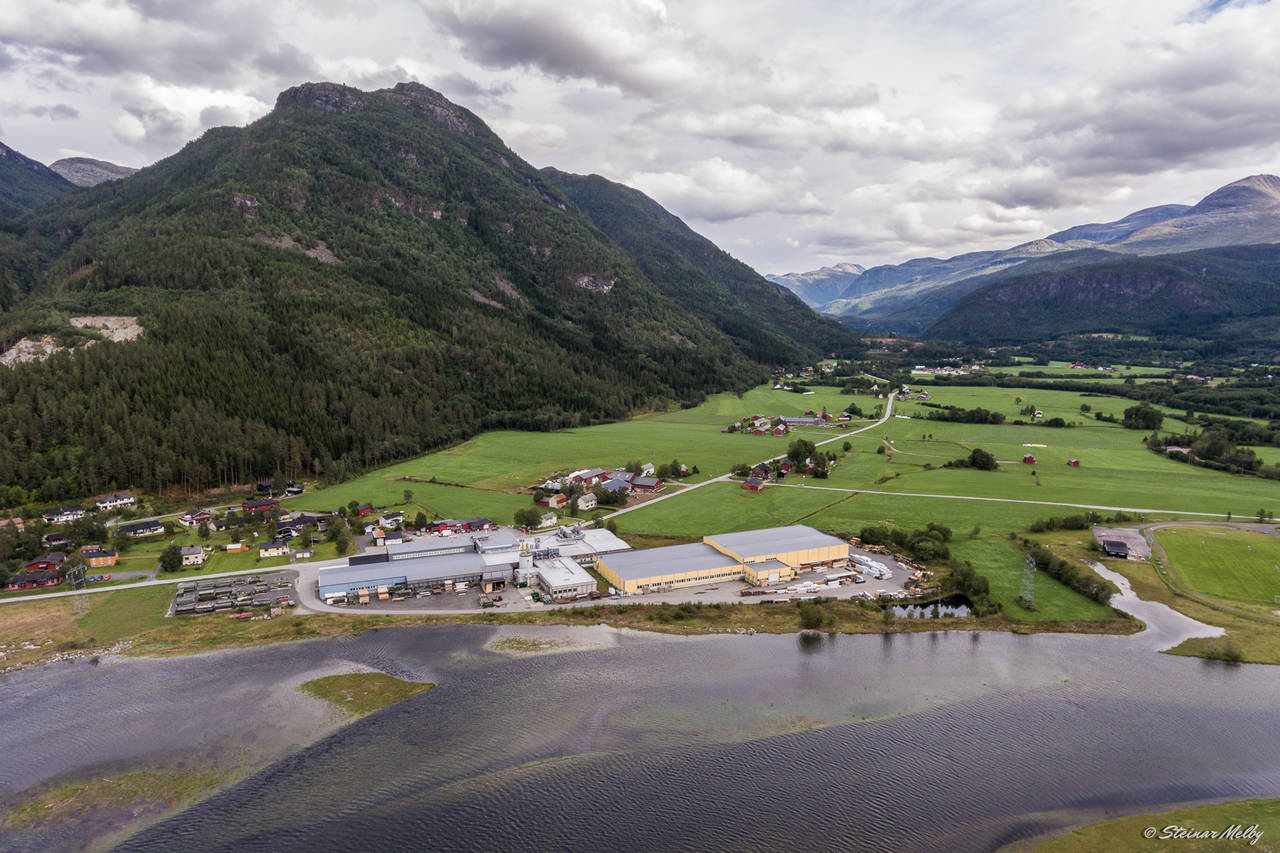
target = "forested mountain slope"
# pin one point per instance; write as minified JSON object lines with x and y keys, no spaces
{"x":356,"y":277}
{"x":1229,"y":294}
{"x":767,"y":322}
{"x":26,"y":183}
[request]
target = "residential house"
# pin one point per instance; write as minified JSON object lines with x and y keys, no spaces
{"x":364,"y":509}
{"x":293,"y":491}
{"x":56,"y":541}
{"x":760,"y":470}
{"x":195,"y":517}
{"x":755,"y":484}
{"x":587,"y":502}
{"x":553,"y":501}
{"x":391,"y":520}
{"x":143,"y":528}
{"x":116,"y":501}
{"x":99,"y":557}
{"x":63,"y":515}
{"x":646,"y":469}
{"x":273,"y":549}
{"x":47,"y":562}
{"x":260,"y":506}
{"x":30,"y":580}
{"x":548,"y":520}
{"x":286,"y":530}
{"x":16,"y":523}
{"x":193,"y":555}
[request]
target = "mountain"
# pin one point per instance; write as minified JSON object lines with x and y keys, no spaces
{"x":25,"y":183}
{"x":1228,"y":294}
{"x":822,"y":285}
{"x":907,"y":297}
{"x":767,"y":322}
{"x":87,"y":172}
{"x":354,"y":278}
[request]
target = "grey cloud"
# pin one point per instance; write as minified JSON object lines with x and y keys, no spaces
{"x":56,"y":112}
{"x":7,"y":60}
{"x":459,"y":86}
{"x":219,"y":116}
{"x":286,"y":62}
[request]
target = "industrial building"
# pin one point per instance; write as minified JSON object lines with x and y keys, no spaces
{"x":760,"y":557}
{"x":488,"y":560}
{"x":561,"y":577}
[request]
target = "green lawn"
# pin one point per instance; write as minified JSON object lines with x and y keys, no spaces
{"x":127,"y":613}
{"x":1002,"y":562}
{"x":1064,"y":369}
{"x":1233,"y":565}
{"x":1126,"y":834}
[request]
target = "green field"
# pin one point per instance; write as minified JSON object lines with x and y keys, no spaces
{"x":1126,"y":834}
{"x":1232,"y":565}
{"x":1115,"y":469}
{"x":1064,"y":368}
{"x":1003,"y":563}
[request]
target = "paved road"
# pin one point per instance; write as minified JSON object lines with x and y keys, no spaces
{"x":888,"y":412}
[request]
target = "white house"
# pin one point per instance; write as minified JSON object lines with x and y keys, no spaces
{"x":587,"y":502}
{"x":193,"y":555}
{"x":117,"y":501}
{"x":548,"y":520}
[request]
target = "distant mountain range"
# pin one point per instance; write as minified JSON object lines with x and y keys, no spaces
{"x":354,"y":278}
{"x":87,"y":172}
{"x":908,"y":297}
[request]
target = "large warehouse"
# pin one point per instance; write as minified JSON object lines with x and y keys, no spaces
{"x":760,"y":557}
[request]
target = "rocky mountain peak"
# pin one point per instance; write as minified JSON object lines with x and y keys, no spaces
{"x":328,"y":97}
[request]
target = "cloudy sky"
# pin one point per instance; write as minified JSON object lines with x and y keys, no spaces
{"x":793,"y":134}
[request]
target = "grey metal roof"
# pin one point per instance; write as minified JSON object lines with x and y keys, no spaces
{"x":774,"y":540}
{"x":671,"y":560}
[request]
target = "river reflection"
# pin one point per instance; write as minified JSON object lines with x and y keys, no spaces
{"x":918,"y":741}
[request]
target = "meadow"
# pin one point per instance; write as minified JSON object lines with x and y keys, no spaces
{"x":1223,"y":563}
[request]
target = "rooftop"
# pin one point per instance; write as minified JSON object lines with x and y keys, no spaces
{"x":561,"y":571}
{"x":774,"y":540}
{"x":671,"y":560}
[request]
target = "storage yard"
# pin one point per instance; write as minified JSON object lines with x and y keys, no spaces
{"x":234,"y":594}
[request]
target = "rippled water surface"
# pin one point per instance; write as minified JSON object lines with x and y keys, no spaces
{"x":944,"y":741}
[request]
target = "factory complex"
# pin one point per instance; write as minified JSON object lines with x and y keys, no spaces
{"x":488,"y":561}
{"x":558,"y":563}
{"x":760,"y":557}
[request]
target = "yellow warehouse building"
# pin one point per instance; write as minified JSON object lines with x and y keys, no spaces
{"x":760,"y":557}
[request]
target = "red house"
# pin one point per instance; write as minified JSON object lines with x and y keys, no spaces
{"x":364,"y":509}
{"x":47,"y":562}
{"x":646,"y":484}
{"x":30,"y":580}
{"x":1028,"y":460}
{"x":261,"y":506}
{"x":755,"y":484}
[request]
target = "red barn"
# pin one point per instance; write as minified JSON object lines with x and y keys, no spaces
{"x":755,"y":484}
{"x":264,"y":506}
{"x":1028,"y":460}
{"x":1073,"y":463}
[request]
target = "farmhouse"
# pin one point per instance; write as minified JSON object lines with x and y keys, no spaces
{"x":760,"y":471}
{"x":116,"y":501}
{"x":587,"y":502}
{"x":193,"y":555}
{"x":554,"y":501}
{"x":760,"y":557}
{"x":391,"y":520}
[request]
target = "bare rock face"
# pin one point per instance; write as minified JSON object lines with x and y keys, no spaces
{"x":320,"y":252}
{"x":87,"y":172}
{"x":594,"y":283}
{"x":440,"y":108}
{"x":329,"y":97}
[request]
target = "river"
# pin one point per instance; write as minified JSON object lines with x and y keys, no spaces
{"x":618,"y":740}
